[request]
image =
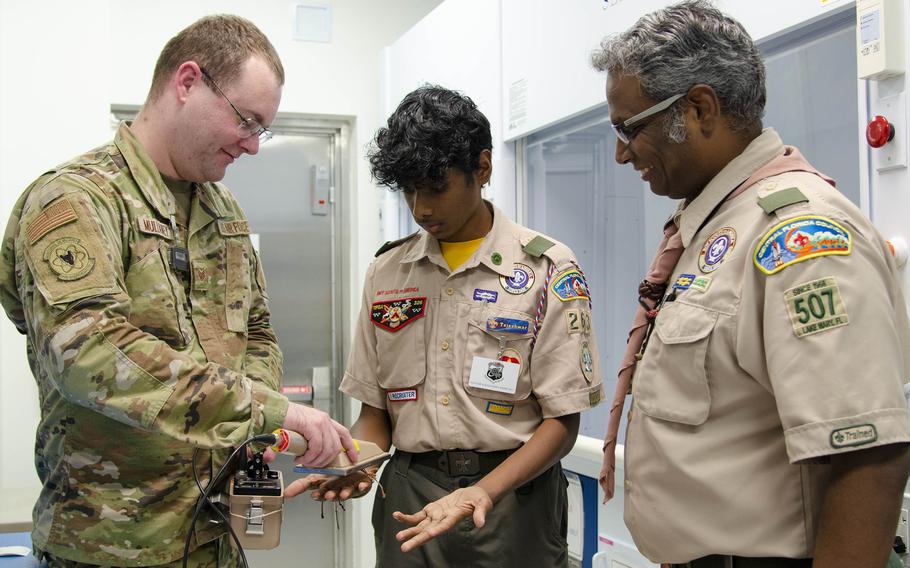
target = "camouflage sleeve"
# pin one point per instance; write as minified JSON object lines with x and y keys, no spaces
{"x":263,"y":361}
{"x":76,"y":302}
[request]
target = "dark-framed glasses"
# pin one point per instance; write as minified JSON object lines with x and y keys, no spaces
{"x":626,"y":130}
{"x":248,"y":126}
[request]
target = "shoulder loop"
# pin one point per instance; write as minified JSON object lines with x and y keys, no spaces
{"x":780,"y":199}
{"x":389,"y":245}
{"x":537,"y":246}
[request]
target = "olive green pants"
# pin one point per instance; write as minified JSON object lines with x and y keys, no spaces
{"x":527,"y":527}
{"x":218,"y":553}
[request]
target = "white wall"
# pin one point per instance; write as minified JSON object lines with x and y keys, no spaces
{"x":62,"y":64}
{"x":547,"y":47}
{"x":456,"y":46}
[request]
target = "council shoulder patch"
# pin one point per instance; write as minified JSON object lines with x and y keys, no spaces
{"x":69,"y":259}
{"x":393,"y":315}
{"x":798,"y":239}
{"x":570,"y":285}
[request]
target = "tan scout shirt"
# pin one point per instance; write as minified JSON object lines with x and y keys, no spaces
{"x":421,"y":328}
{"x":135,"y":365}
{"x":753,"y":376}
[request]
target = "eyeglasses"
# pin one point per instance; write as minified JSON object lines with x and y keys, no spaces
{"x":626,"y":130}
{"x":248,"y":126}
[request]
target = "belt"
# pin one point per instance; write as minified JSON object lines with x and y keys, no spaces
{"x":460,"y":463}
{"x":720,"y":561}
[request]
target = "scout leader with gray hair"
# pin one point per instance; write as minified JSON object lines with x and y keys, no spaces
{"x":133,"y":276}
{"x":768,"y":423}
{"x":474,"y":355}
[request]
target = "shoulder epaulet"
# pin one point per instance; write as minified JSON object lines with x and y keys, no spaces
{"x":537,"y":246}
{"x":389,"y":245}
{"x":779,"y":199}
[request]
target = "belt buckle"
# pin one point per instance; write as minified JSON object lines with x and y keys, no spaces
{"x":462,"y":463}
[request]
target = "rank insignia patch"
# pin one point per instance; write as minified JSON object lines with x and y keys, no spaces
{"x":393,"y":315}
{"x":799,"y":239}
{"x":684,"y":281}
{"x":69,"y":259}
{"x":716,"y":248}
{"x":500,"y":408}
{"x":521,"y":280}
{"x":510,"y":355}
{"x":508,"y":325}
{"x":570,"y":285}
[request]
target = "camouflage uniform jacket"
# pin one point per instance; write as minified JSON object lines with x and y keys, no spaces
{"x":134,"y":368}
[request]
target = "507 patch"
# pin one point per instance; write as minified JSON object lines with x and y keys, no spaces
{"x":799,"y":239}
{"x":816,"y":306}
{"x":393,"y":315}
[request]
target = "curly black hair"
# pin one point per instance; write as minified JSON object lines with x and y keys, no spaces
{"x":433,"y":129}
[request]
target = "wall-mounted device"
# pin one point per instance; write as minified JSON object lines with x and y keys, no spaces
{"x":879,"y":38}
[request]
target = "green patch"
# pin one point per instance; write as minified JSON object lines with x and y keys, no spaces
{"x":594,"y":397}
{"x":701,"y":283}
{"x":816,"y":306}
{"x":853,"y":436}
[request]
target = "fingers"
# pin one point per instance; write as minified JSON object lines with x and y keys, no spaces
{"x":426,"y":530}
{"x":480,"y":517}
{"x":346,"y":441}
{"x":298,"y":486}
{"x":410,"y":519}
{"x":269,"y":455}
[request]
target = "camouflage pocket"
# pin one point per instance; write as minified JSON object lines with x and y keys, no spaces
{"x":157,"y":307}
{"x":237,"y":294}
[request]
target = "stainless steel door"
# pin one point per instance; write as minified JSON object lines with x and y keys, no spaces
{"x":276,"y":189}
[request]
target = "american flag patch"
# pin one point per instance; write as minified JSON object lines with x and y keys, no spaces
{"x":54,"y":216}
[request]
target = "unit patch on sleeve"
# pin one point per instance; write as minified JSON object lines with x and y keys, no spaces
{"x":58,"y":214}
{"x":69,"y":259}
{"x":799,"y":239}
{"x":578,"y":321}
{"x":815,"y":306}
{"x":570,"y":285}
{"x":393,"y":315}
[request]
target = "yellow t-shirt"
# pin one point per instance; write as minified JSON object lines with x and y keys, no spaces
{"x":456,"y":253}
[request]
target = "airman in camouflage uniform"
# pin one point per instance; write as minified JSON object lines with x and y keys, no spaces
{"x":141,"y":355}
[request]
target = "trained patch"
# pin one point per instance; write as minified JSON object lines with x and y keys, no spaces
{"x":815,"y":306}
{"x":508,"y":325}
{"x":701,"y":283}
{"x":587,"y":361}
{"x":68,"y":259}
{"x":402,"y":395}
{"x":500,"y":408}
{"x":481,"y":295}
{"x":716,"y":248}
{"x":154,"y":227}
{"x":56,"y":215}
{"x":578,"y":321}
{"x":683,"y":281}
{"x":521,"y":280}
{"x":233,"y":228}
{"x":799,"y":239}
{"x":393,"y":315}
{"x":570,"y":285}
{"x":853,"y":436}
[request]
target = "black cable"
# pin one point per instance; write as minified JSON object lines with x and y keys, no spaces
{"x":215,"y":508}
{"x":214,"y":482}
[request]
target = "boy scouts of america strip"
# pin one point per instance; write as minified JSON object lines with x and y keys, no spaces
{"x":151,"y":226}
{"x":54,"y":216}
{"x":233,"y":228}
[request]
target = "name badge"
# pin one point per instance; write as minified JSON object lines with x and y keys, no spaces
{"x":490,"y":374}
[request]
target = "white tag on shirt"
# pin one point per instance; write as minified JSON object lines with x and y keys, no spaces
{"x":490,"y":374}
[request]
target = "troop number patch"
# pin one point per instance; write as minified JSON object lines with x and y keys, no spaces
{"x":816,"y":306}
